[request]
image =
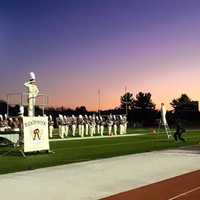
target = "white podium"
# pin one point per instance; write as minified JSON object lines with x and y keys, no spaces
{"x":35,"y":130}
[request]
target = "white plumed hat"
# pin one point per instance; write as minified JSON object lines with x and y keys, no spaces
{"x":32,"y":75}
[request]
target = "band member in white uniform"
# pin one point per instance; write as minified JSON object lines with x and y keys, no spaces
{"x":121,"y":125}
{"x":33,"y":92}
{"x":2,"y":127}
{"x":94,"y":124}
{"x":86,"y":125}
{"x":61,"y":127}
{"x":81,"y":126}
{"x":5,"y":121}
{"x":73,"y":123}
{"x":51,"y":124}
{"x":16,"y":125}
{"x":110,"y":124}
{"x":98,"y":124}
{"x":91,"y":125}
{"x":125,"y":124}
{"x":102,"y":123}
{"x":114,"y":125}
{"x":66,"y":124}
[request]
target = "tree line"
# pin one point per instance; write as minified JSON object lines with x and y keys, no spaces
{"x":140,"y":110}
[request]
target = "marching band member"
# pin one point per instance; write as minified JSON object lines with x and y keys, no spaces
{"x":94,"y":124}
{"x":81,"y":126}
{"x":86,"y":125}
{"x":98,"y":124}
{"x":61,"y":128}
{"x":121,"y":125}
{"x":110,"y":124}
{"x":33,"y":92}
{"x":125,"y":124}
{"x":66,"y":124}
{"x":91,"y":125}
{"x":114,"y":125}
{"x":5,"y":122}
{"x":16,"y":124}
{"x":102,"y":123}
{"x":10,"y":123}
{"x":2,"y":127}
{"x":51,"y":124}
{"x":73,"y":124}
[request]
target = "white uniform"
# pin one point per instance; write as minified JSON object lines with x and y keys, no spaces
{"x":114,"y":125}
{"x":2,"y":127}
{"x":125,"y":124}
{"x":91,"y":126}
{"x":51,"y":123}
{"x":61,"y":127}
{"x":102,"y":123}
{"x":121,"y":125}
{"x":33,"y":92}
{"x":81,"y":126}
{"x":98,"y":124}
{"x":110,"y":124}
{"x":66,"y":124}
{"x":73,"y":122}
{"x":86,"y":125}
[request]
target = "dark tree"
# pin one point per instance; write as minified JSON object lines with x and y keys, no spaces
{"x":143,"y":101}
{"x":3,"y":107}
{"x":81,"y":110}
{"x":127,"y":101}
{"x":180,"y":102}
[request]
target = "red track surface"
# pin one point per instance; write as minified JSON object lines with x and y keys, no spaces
{"x":184,"y":187}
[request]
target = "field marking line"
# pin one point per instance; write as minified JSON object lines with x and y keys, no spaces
{"x":185,"y":193}
{"x":96,"y":137}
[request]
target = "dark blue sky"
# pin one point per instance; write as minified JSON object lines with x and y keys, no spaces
{"x":106,"y":44}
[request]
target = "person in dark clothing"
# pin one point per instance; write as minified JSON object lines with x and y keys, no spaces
{"x":179,"y":131}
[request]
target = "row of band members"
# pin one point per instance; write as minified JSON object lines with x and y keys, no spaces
{"x":87,"y":125}
{"x":8,"y":123}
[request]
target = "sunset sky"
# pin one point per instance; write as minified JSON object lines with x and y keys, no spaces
{"x":79,"y":46}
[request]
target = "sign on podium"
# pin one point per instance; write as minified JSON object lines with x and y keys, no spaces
{"x":35,"y":134}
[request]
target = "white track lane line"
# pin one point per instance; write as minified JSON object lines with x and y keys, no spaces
{"x":185,"y":193}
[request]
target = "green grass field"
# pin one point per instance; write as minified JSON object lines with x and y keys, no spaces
{"x":84,"y":150}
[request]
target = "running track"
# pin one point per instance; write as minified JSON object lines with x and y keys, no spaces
{"x":184,"y":187}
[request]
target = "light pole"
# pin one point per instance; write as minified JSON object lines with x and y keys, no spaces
{"x":126,"y":100}
{"x":99,"y":101}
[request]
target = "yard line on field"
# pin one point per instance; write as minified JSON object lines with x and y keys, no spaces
{"x":185,"y":193}
{"x":96,"y":137}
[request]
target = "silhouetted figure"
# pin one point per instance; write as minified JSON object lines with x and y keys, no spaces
{"x":179,"y":131}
